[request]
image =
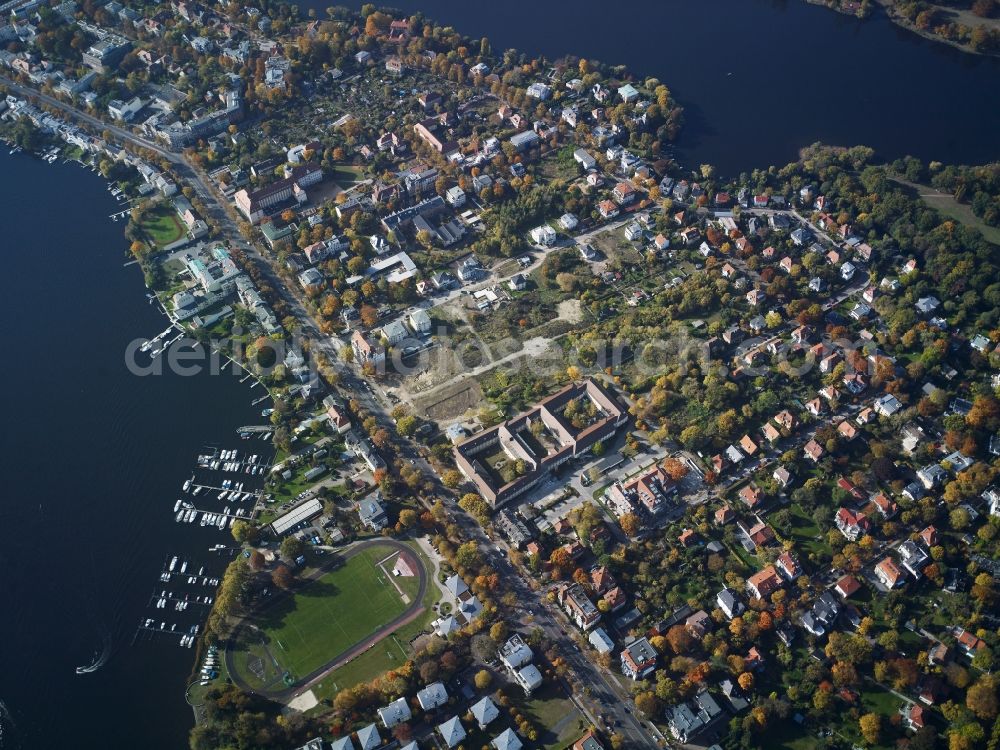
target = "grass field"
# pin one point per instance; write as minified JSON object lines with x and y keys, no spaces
{"x":947,"y":205}
{"x":162,"y":226}
{"x":329,"y":615}
{"x":347,"y":175}
{"x":388,"y":653}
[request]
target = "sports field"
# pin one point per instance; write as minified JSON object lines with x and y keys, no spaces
{"x":327,"y":616}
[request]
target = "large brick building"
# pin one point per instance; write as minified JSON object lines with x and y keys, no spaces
{"x":507,"y":460}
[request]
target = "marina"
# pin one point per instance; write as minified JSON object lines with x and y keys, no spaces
{"x":82,"y":663}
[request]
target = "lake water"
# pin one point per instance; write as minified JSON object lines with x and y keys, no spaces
{"x":92,"y":460}
{"x":759,"y":79}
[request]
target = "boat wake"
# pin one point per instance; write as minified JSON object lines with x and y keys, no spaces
{"x":100,"y":657}
{"x":8,"y":740}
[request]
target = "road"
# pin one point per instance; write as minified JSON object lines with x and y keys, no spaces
{"x":611,"y":696}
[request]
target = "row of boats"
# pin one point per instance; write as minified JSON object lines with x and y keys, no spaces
{"x":246,"y":435}
{"x":187,"y":639}
{"x":210,"y":667}
{"x":227,"y":516}
{"x":228,"y":461}
{"x":157,"y":344}
{"x":181,"y":604}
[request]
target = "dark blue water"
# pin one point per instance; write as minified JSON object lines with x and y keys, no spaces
{"x":759,"y":79}
{"x":92,"y":459}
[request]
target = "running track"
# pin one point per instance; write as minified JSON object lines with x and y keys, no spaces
{"x":412,"y":613}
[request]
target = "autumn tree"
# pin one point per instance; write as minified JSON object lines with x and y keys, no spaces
{"x":648,"y":704}
{"x":282,"y":577}
{"x":675,"y":468}
{"x":981,"y":698}
{"x":630,"y":524}
{"x":871,"y":728}
{"x":483,"y":679}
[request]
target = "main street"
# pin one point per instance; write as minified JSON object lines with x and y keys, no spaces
{"x":611,"y":698}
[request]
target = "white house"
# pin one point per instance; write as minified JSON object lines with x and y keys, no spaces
{"x":539,"y":91}
{"x":484,"y":712}
{"x":455,"y":196}
{"x":432,"y":696}
{"x":451,"y":731}
{"x":420,"y":321}
{"x":394,"y":332}
{"x":395,"y":713}
{"x":543,"y":235}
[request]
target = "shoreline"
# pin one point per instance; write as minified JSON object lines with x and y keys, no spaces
{"x":885,"y":7}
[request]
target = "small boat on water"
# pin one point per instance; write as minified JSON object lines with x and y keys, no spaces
{"x":173,"y":564}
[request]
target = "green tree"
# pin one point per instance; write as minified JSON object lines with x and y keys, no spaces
{"x":292,"y":547}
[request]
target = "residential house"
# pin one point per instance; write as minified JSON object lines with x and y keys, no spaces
{"x":751,"y":496}
{"x":624,"y":194}
{"x":885,"y":506}
{"x":771,"y":433}
{"x":484,"y":711}
{"x":813,"y":451}
{"x":847,"y":430}
{"x":686,"y":720}
{"x":728,"y":601}
{"x":852,"y":525}
{"x":913,"y":558}
{"x":588,"y":742}
{"x":822,"y":615}
{"x":506,"y":740}
{"x":764,"y":582}
{"x":368,"y":737}
{"x":888,"y":574}
{"x":847,"y":586}
{"x":929,"y":536}
{"x":782,"y":476}
{"x":699,"y":624}
{"x":432,"y":696}
{"x":515,"y":653}
{"x":601,"y":641}
{"x":638,"y":659}
{"x":451,"y":731}
{"x":788,"y":566}
{"x":529,"y":678}
{"x":887,"y":405}
{"x":968,"y":643}
{"x":785,"y":420}
{"x":543,"y":235}
{"x":578,"y":606}
{"x":608,"y":209}
{"x":365,"y":351}
{"x":395,"y":713}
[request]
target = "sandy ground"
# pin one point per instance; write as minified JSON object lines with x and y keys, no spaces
{"x":303,"y":702}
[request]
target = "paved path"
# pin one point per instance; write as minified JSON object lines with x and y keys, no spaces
{"x":412,"y":613}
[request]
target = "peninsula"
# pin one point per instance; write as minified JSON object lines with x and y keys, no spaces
{"x":576,"y":446}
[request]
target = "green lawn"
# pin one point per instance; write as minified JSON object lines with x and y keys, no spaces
{"x":162,"y":226}
{"x":329,"y":615}
{"x":558,"y":720}
{"x":344,"y":174}
{"x":947,"y":205}
{"x":388,"y":653}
